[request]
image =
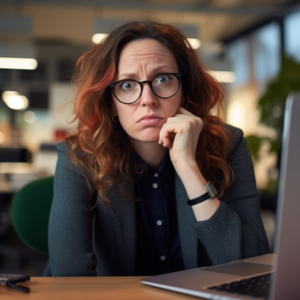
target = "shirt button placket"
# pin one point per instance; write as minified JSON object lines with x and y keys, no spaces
{"x":159,"y":222}
{"x":155,"y":185}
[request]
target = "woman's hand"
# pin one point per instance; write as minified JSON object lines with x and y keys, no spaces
{"x":181,"y":134}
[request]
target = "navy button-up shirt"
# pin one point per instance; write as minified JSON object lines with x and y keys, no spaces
{"x":158,"y":245}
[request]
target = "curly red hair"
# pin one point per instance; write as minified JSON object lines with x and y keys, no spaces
{"x":103,"y":148}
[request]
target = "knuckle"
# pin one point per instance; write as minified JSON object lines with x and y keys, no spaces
{"x":187,"y":124}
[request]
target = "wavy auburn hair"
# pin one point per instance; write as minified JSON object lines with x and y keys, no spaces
{"x":103,"y":148}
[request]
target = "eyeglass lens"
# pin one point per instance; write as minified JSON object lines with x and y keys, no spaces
{"x":163,"y":86}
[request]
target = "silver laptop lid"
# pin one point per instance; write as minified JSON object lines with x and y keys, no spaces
{"x":195,"y":281}
{"x":286,"y":284}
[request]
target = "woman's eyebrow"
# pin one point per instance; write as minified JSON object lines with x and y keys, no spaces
{"x":155,"y":71}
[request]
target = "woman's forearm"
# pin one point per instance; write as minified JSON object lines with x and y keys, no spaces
{"x":194,"y":184}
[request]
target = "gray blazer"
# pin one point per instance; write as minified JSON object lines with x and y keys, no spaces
{"x":102,"y":241}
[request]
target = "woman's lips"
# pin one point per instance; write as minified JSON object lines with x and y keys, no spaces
{"x":150,"y":120}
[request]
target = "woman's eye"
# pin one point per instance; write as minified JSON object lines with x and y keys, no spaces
{"x":127,"y":85}
{"x":162,"y":79}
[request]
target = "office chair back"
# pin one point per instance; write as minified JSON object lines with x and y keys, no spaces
{"x":30,"y":213}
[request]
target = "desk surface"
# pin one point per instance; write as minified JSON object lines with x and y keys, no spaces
{"x":55,"y":288}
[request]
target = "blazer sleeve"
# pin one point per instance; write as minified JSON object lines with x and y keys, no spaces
{"x":71,"y":221}
{"x":236,"y":231}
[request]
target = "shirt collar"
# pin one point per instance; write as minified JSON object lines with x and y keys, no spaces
{"x":166,"y":166}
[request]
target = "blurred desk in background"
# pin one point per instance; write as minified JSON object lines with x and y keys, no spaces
{"x":14,"y":176}
{"x":15,"y":256}
{"x":6,"y":187}
{"x":18,"y":167}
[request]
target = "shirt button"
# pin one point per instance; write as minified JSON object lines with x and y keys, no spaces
{"x":156,"y":175}
{"x":159,"y":222}
{"x":162,"y":258}
{"x":155,"y":185}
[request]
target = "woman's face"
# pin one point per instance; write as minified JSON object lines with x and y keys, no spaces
{"x":144,"y":60}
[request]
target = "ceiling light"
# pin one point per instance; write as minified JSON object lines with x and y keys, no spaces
{"x":98,"y":37}
{"x":21,"y":56}
{"x":17,"y":102}
{"x":223,"y":76}
{"x":14,"y":100}
{"x":7,"y":94}
{"x":195,"y":43}
{"x":18,"y":63}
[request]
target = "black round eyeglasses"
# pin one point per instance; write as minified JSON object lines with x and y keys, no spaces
{"x":129,"y":91}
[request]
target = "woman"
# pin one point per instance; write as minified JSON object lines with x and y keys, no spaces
{"x":130,"y":192}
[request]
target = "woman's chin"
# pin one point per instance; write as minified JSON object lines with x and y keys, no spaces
{"x":149,"y":135}
{"x":150,"y":139}
{"x":147,"y":138}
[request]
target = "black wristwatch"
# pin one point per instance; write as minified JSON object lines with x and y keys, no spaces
{"x":211,"y":194}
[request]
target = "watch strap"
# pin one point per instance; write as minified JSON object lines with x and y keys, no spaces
{"x":198,"y":199}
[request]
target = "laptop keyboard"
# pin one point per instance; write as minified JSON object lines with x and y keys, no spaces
{"x":258,"y":286}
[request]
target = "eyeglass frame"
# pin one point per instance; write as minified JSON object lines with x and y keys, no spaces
{"x":141,"y":83}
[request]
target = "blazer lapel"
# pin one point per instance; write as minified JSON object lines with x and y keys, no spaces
{"x":186,"y":226}
{"x":123,"y":211}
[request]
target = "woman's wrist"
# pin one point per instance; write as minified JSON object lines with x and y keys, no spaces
{"x":194,"y":184}
{"x":204,"y":210}
{"x":192,"y":178}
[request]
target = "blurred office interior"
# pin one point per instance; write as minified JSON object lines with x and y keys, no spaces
{"x":243,"y":43}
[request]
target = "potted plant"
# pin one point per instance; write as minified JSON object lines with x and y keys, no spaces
{"x":271,"y":106}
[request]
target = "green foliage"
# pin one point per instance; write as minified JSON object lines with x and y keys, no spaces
{"x":271,"y":106}
{"x":271,"y":187}
{"x":255,"y":143}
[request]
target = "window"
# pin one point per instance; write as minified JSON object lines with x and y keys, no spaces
{"x":238,"y":55}
{"x":266,"y":52}
{"x":291,"y":31}
{"x":38,"y":100}
{"x":65,"y":70}
{"x":38,"y":74}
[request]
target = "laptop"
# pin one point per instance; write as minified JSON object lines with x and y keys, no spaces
{"x":274,"y":276}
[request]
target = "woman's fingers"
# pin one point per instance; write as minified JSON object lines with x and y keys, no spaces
{"x":183,"y":129}
{"x":181,"y":114}
{"x":183,"y":111}
{"x":167,"y":140}
{"x":169,"y":131}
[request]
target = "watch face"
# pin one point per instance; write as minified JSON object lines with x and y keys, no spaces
{"x":211,"y":190}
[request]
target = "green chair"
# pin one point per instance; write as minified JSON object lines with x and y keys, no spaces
{"x":30,"y":213}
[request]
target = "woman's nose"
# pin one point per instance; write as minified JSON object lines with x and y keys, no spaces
{"x":148,"y":98}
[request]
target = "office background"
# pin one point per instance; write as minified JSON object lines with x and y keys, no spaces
{"x":246,"y":44}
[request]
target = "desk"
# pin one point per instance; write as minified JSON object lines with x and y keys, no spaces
{"x":56,"y":288}
{"x":14,"y":176}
